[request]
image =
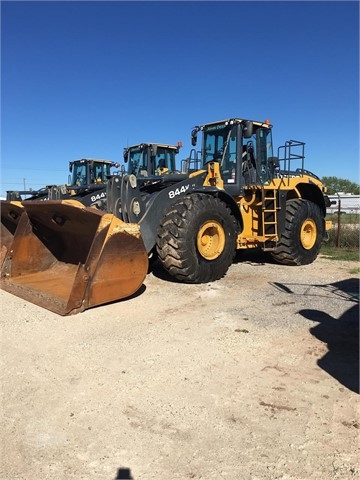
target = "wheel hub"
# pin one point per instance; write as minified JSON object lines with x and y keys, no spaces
{"x":211,"y":240}
{"x":308,"y":234}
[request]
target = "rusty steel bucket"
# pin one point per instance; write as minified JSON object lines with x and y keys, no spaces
{"x":66,"y":257}
{"x":10,"y":216}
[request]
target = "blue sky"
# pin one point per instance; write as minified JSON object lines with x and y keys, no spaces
{"x":85,"y":79}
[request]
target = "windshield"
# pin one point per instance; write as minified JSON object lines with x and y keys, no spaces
{"x":79,"y":174}
{"x":99,"y":172}
{"x":220,"y":144}
{"x":84,"y":173}
{"x":215,"y":137}
{"x":138,"y":160}
{"x":164,"y":160}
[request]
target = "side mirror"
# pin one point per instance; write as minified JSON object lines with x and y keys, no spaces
{"x":126,"y":154}
{"x":274,"y":161}
{"x":247,"y":129}
{"x":194,"y":137}
{"x":273,"y":164}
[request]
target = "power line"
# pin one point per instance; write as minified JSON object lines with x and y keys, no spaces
{"x":19,"y":183}
{"x":31,"y":169}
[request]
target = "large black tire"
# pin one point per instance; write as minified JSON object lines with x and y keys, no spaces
{"x":304,"y":232}
{"x":197,"y":239}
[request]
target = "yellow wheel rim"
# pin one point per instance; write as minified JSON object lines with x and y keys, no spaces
{"x":308,"y":234}
{"x":211,"y":240}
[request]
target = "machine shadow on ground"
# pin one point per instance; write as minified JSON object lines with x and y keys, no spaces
{"x":341,"y":335}
{"x":255,"y":257}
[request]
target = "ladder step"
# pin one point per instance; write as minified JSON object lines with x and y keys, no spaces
{"x":269,"y":210}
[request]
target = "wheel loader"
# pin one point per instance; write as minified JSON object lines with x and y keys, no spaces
{"x":85,"y":177}
{"x":242,"y":197}
{"x":87,"y":183}
{"x":88,"y":179}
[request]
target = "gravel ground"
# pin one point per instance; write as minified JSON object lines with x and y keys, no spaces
{"x":252,"y":377}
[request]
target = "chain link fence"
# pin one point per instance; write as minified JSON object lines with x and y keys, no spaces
{"x":344,"y":212}
{"x":345,"y":231}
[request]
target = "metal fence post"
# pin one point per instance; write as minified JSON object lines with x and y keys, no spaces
{"x":338,"y":229}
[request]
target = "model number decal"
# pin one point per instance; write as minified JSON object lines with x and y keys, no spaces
{"x":178,"y":191}
{"x":98,"y":196}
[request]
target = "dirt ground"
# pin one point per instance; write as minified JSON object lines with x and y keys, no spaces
{"x":253,"y":377}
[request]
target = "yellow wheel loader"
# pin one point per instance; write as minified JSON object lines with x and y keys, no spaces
{"x":86,"y":177}
{"x":241,"y":196}
{"x":87,"y":183}
{"x":45,"y":273}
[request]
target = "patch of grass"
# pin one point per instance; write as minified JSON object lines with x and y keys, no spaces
{"x":355,"y":271}
{"x":334,"y":253}
{"x":349,"y":218}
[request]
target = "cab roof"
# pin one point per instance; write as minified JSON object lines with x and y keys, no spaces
{"x":86,"y":160}
{"x":161,"y":145}
{"x":265,"y":123}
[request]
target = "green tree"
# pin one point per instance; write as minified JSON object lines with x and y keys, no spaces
{"x":335,"y":185}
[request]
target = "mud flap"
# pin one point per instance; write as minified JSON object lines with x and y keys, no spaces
{"x":10,"y":216}
{"x":66,"y":257}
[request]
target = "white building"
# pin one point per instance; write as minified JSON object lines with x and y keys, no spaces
{"x":347,"y":202}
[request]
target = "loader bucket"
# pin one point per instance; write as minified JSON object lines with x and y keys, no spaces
{"x":10,"y":215}
{"x":66,"y":257}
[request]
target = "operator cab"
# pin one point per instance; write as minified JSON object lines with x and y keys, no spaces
{"x":148,"y":159}
{"x":87,"y":171}
{"x":242,"y":147}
